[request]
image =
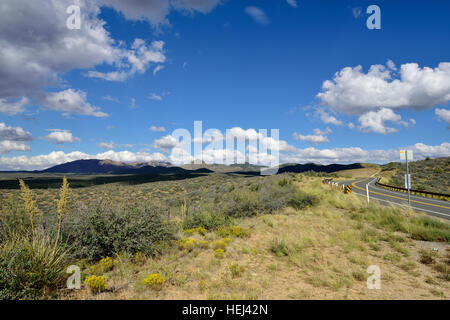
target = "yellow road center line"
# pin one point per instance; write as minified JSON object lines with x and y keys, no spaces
{"x":387,"y":195}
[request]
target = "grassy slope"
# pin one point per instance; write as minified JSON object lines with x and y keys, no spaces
{"x":320,"y":252}
{"x":367,"y":171}
{"x":424,"y":174}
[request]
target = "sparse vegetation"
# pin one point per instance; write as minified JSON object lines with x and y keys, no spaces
{"x":428,"y":175}
{"x":96,"y":284}
{"x":207,"y":234}
{"x":106,"y":230}
{"x":206,"y":220}
{"x":155,"y":281}
{"x":219,"y":253}
{"x":233,"y":231}
{"x":32,"y":263}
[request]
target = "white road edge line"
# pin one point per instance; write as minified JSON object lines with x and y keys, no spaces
{"x":413,"y":197}
{"x":398,"y":204}
{"x":402,"y":205}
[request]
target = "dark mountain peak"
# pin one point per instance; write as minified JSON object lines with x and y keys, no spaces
{"x":88,"y":166}
{"x":318,"y":167}
{"x":96,"y":166}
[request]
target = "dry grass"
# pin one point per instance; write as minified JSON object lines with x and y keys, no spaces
{"x":367,"y":171}
{"x":324,"y":255}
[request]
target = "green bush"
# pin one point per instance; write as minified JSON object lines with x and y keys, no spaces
{"x":303,"y":200}
{"x":267,"y":199}
{"x":31,"y":270}
{"x":206,"y":219}
{"x":242,"y":204}
{"x":438,"y":170}
{"x":279,"y":248}
{"x":103,"y":231}
{"x":419,"y":228}
{"x":283,"y":182}
{"x":14,"y":220}
{"x":233,"y":231}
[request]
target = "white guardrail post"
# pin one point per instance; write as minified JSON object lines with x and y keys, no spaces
{"x":367,"y":191}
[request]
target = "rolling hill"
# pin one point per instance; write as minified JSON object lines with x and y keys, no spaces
{"x":297,"y":168}
{"x":429,"y":174}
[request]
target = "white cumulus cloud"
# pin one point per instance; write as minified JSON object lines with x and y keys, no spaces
{"x":166,"y":143}
{"x":58,"y":136}
{"x":44,"y":161}
{"x":443,"y":114}
{"x":11,"y":107}
{"x":134,"y":61}
{"x":37,"y":48}
{"x":375,"y":121}
{"x":156,"y":12}
{"x":14,"y":133}
{"x":354,"y":92}
{"x":329,"y":119}
{"x":71,"y":102}
{"x":357,"y":154}
{"x":13,"y":139}
{"x":319,"y":136}
{"x":107,"y":145}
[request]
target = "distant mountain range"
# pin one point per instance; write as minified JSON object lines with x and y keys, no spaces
{"x":95,"y":166}
{"x":295,"y":167}
{"x":244,"y":167}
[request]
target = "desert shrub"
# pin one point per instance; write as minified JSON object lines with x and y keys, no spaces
{"x":204,"y":244}
{"x":104,"y":265}
{"x":14,"y":220}
{"x":303,"y":200}
{"x":219,"y":244}
{"x":269,"y":198}
{"x":279,"y":248}
{"x":155,"y":281}
{"x":427,"y":257}
{"x":359,"y":275}
{"x":104,"y":230}
{"x":139,"y":258}
{"x":242,"y":204}
{"x":444,"y":269}
{"x":438,"y":170}
{"x":226,"y":240}
{"x":31,"y":270}
{"x":32,"y":264}
{"x":187,"y":244}
{"x":236,"y":270}
{"x":96,"y":284}
{"x":208,"y":220}
{"x":233,"y":231}
{"x":219,"y":253}
{"x":200,"y":230}
{"x":284,"y":182}
{"x":190,"y":244}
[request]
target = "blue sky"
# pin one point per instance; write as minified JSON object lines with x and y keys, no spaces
{"x":247,"y":64}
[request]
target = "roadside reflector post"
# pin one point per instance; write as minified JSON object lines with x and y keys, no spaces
{"x":404,"y":155}
{"x":367,"y":191}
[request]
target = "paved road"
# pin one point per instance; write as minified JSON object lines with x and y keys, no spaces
{"x":433,"y":207}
